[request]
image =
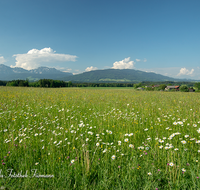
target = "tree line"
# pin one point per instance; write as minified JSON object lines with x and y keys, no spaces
{"x":50,"y":83}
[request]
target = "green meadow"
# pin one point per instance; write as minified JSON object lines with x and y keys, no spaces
{"x":91,"y":138}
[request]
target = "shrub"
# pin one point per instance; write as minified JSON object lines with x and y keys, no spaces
{"x":184,"y":88}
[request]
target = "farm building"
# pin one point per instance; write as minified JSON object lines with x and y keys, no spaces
{"x":168,"y":88}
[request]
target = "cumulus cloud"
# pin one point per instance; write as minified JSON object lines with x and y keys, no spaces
{"x":34,"y":58}
{"x":91,"y":68}
{"x":184,"y":71}
{"x":139,"y":60}
{"x":124,"y":64}
{"x":2,"y":60}
{"x":172,"y":72}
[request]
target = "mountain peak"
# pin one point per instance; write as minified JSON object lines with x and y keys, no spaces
{"x":8,"y":73}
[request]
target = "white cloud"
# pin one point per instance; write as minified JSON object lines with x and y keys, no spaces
{"x":184,"y":71}
{"x":35,"y":58}
{"x":124,"y":64}
{"x":63,"y":69}
{"x":91,"y":68}
{"x":2,"y":60}
{"x":139,"y":60}
{"x":172,"y":72}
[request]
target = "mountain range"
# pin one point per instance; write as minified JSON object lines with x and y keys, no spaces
{"x":117,"y":75}
{"x":108,"y":75}
{"x":7,"y":73}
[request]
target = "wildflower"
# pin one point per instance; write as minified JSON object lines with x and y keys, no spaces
{"x":149,"y":173}
{"x":131,"y":146}
{"x":36,"y":163}
{"x":97,"y":144}
{"x":194,"y":125}
{"x":196,"y":160}
{"x":113,"y":157}
{"x":183,"y":142}
{"x":186,"y":136}
{"x":171,"y":164}
{"x":104,"y":150}
{"x":87,"y":139}
{"x":119,"y":142}
{"x":72,"y":161}
{"x":176,"y":149}
{"x":125,"y":140}
{"x":183,"y":170}
{"x":146,"y":129}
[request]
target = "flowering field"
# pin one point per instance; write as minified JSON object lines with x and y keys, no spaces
{"x":72,"y":138}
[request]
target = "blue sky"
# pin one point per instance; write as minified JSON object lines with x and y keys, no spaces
{"x":161,"y":36}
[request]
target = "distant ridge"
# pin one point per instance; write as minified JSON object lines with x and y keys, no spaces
{"x":97,"y":76}
{"x":8,"y":73}
{"x":118,"y":75}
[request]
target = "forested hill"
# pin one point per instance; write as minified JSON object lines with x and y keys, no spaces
{"x":117,"y":75}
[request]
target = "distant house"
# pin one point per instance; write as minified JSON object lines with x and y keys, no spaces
{"x":156,"y":86}
{"x":140,"y":88}
{"x":148,"y":86}
{"x":191,"y":90}
{"x":168,"y":88}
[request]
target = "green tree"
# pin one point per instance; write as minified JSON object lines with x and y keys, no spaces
{"x":184,"y":88}
{"x":197,"y":85}
{"x":69,"y":84}
{"x":162,"y":86}
{"x":137,"y":85}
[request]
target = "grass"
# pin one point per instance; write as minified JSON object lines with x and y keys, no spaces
{"x":78,"y":138}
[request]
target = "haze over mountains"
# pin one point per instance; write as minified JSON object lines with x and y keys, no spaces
{"x":109,"y":75}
